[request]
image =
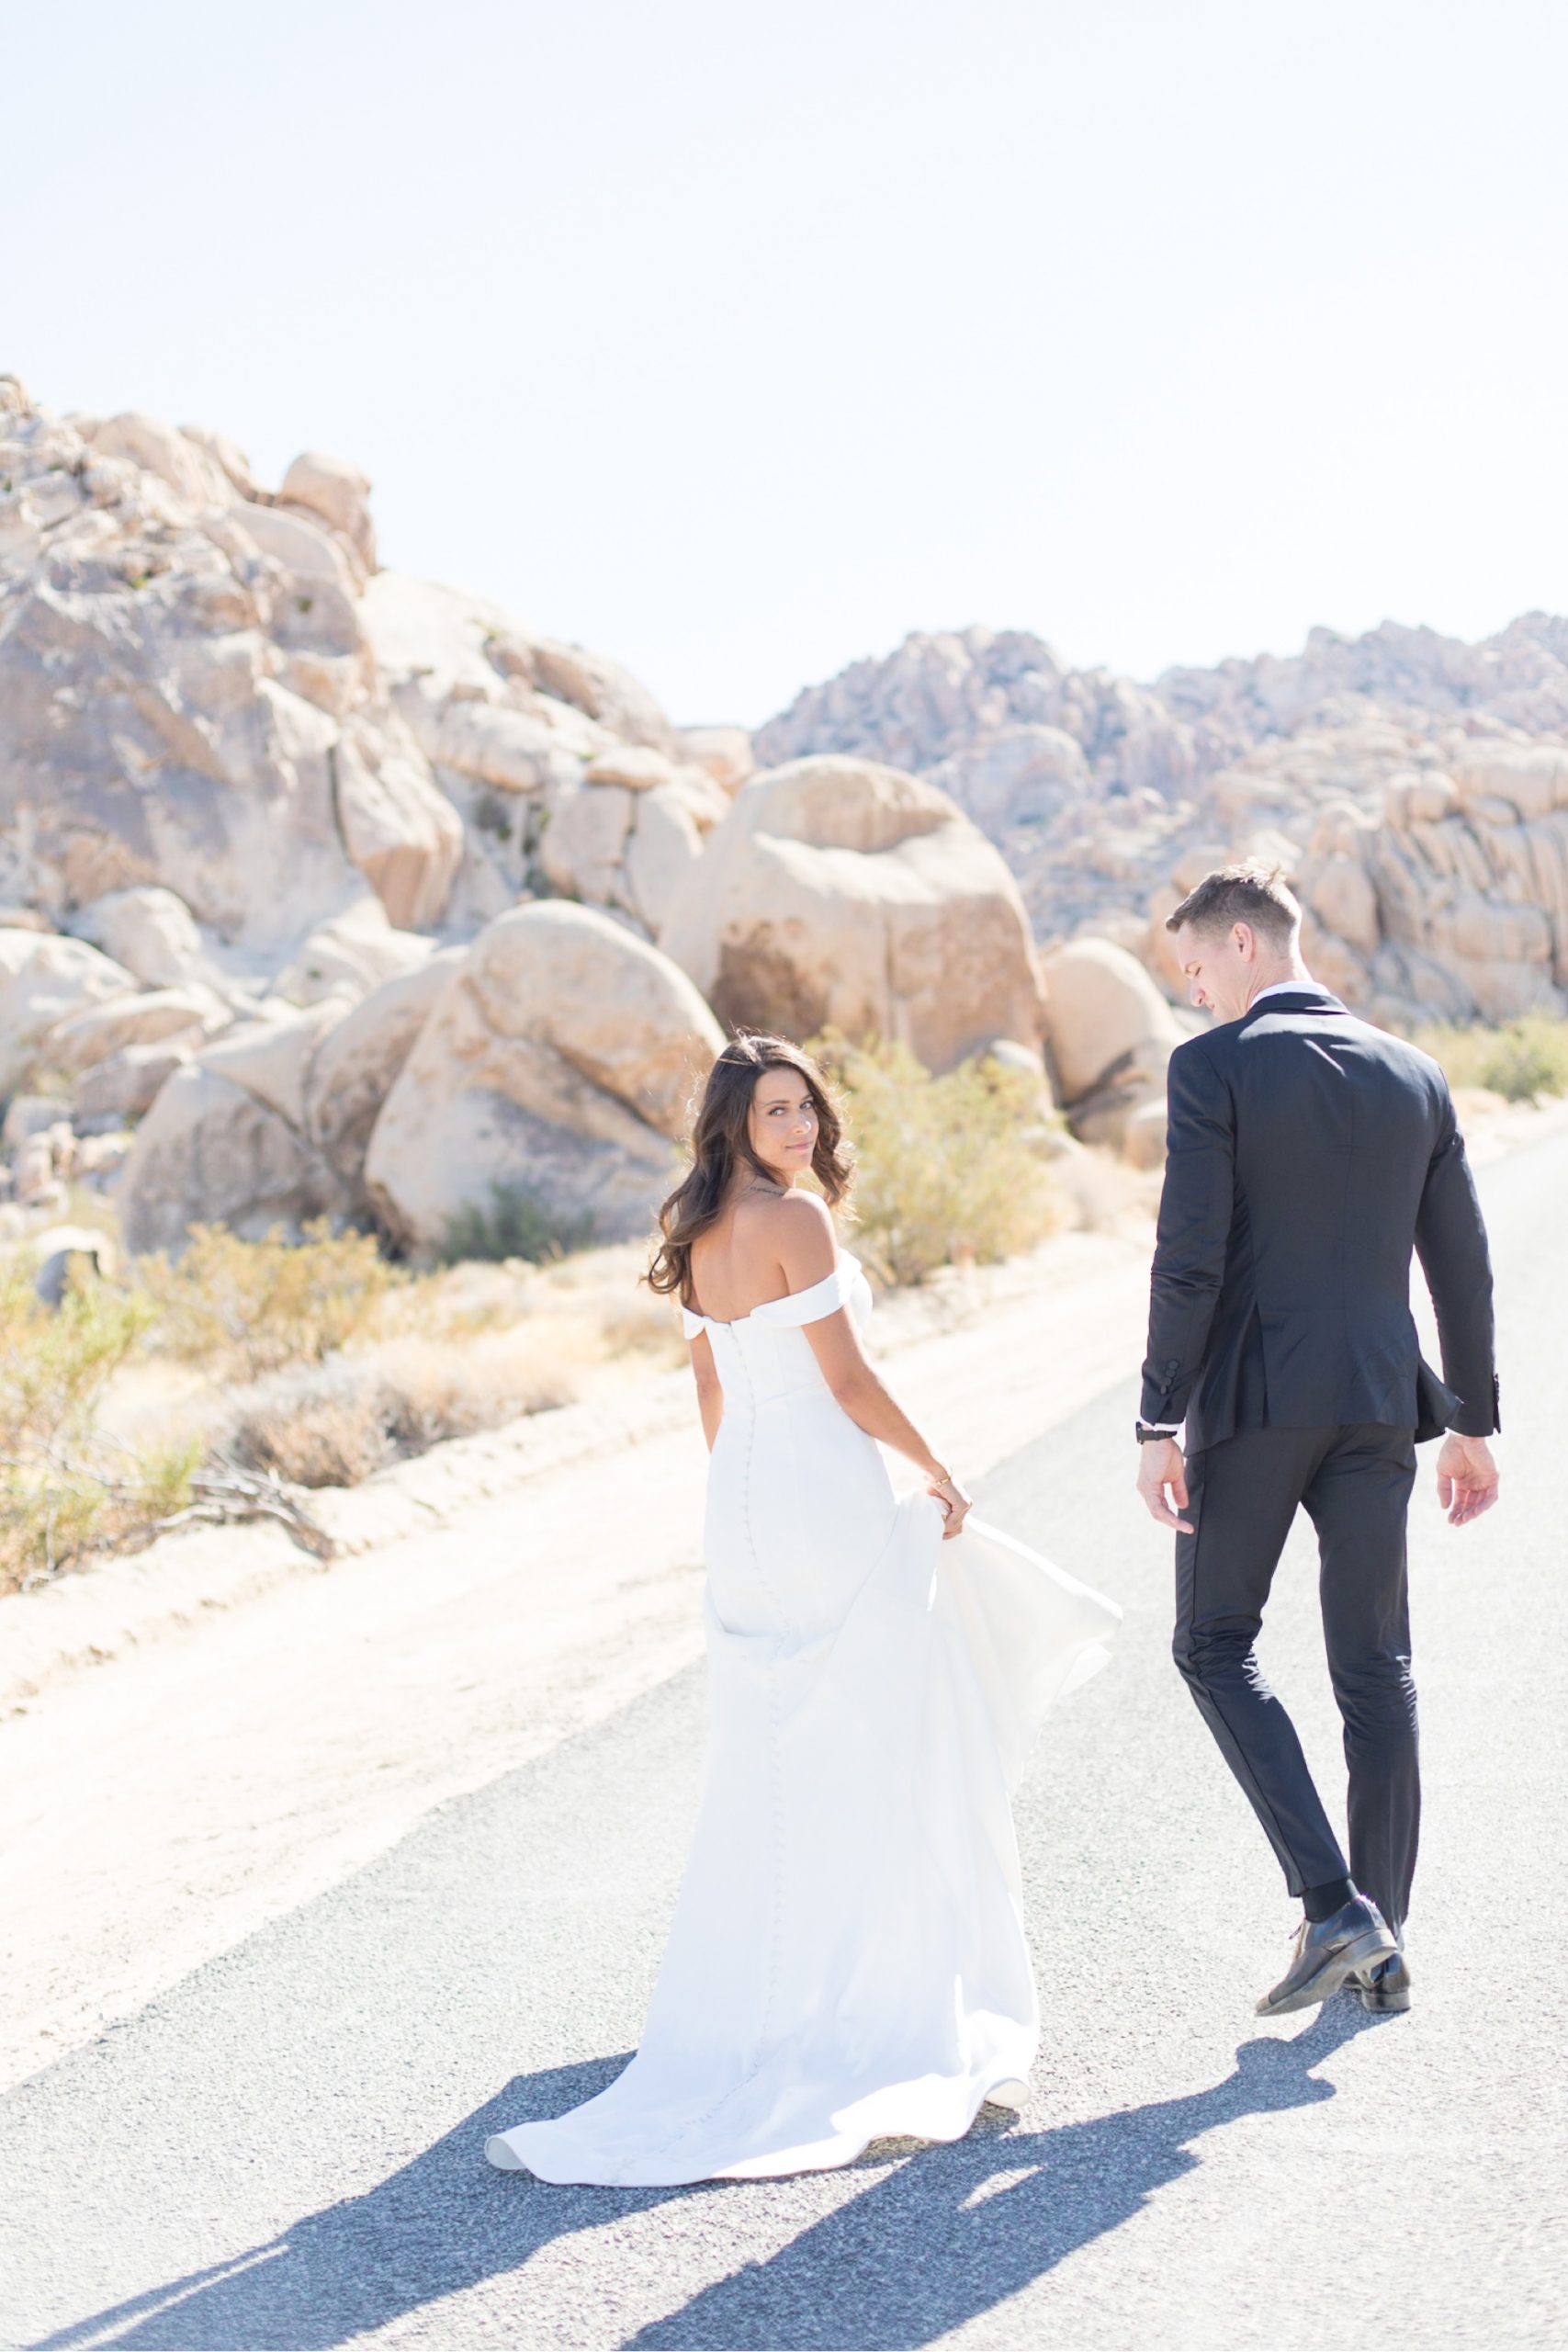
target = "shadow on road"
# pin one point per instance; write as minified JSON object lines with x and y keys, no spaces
{"x":443,"y":2224}
{"x":960,"y":2229}
{"x":946,"y":2235}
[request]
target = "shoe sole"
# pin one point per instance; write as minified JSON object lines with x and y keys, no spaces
{"x":1362,"y":1951}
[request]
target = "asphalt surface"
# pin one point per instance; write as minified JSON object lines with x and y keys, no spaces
{"x":286,"y":2151}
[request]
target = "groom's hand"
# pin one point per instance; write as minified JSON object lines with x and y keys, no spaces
{"x":1162,"y":1482}
{"x":1467,"y":1478}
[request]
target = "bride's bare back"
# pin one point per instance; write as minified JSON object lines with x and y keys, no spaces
{"x":758,"y":1251}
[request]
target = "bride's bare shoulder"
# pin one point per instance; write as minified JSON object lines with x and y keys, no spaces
{"x":788,"y":1210}
{"x":799,"y":1227}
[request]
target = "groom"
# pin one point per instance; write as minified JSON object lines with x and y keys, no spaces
{"x":1308,"y":1154}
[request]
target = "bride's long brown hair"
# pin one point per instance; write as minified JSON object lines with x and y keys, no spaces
{"x":721,"y":1143}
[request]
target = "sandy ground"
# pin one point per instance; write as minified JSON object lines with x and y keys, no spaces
{"x":252,"y":1728}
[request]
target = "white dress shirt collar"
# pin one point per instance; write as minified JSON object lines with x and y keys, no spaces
{"x":1289,"y":988}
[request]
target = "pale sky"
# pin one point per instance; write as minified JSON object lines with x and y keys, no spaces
{"x":735,"y":341}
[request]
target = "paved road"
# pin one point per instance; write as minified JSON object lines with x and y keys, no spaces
{"x":284,"y":2152}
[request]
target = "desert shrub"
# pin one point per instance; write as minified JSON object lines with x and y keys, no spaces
{"x":167,"y":1476}
{"x":944,"y":1171}
{"x":320,"y":1425}
{"x":438,"y":1389}
{"x":514,"y":1223}
{"x":333,"y":1424}
{"x":47,"y":1522}
{"x":64,"y":1489}
{"x":1522,"y":1059}
{"x":55,"y":1363}
{"x":245,"y":1308}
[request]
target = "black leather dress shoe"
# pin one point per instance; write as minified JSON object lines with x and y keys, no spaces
{"x":1327,"y":1952}
{"x":1385,"y":1987}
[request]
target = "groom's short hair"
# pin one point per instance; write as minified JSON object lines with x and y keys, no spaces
{"x":1250,"y":893}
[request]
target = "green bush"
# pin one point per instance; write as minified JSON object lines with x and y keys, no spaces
{"x":1522,"y":1059}
{"x":246,"y":1308}
{"x":944,"y":1169}
{"x":515,"y":1224}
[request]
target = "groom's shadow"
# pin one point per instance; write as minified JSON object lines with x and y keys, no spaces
{"x":925,"y":2248}
{"x":938,"y":2241}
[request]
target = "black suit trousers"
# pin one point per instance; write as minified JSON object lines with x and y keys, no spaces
{"x":1355,"y":1484}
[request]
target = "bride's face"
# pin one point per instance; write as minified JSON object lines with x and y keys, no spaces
{"x":783,"y":1127}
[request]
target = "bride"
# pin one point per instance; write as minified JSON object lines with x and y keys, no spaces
{"x":848,"y":1957}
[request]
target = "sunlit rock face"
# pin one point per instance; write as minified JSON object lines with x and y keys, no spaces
{"x":190,"y":698}
{"x":560,"y":1059}
{"x":842,"y":894}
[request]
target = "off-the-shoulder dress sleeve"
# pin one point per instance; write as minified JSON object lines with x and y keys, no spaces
{"x":796,"y":1308}
{"x":810,"y":1306}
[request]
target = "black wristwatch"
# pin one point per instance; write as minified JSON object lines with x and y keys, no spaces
{"x":1145,"y":1436}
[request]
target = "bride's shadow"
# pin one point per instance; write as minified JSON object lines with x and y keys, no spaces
{"x":443,"y":2224}
{"x":923,"y":2249}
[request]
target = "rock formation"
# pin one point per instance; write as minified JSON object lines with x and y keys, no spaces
{"x":1110,"y":1035}
{"x":567,"y":776}
{"x":271,"y":1124}
{"x":840,"y":894}
{"x":560,"y":1059}
{"x":249,"y":788}
{"x":327,"y":891}
{"x":190,"y":696}
{"x":1409,"y":784}
{"x":555,"y":1057}
{"x":45,"y":983}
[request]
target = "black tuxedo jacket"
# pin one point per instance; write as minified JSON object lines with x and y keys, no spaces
{"x":1308,"y":1154}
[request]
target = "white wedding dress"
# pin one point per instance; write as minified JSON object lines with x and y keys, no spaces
{"x":847,"y":1959}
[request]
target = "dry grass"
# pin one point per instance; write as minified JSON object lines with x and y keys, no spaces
{"x":355,"y":1364}
{"x":321,"y":1426}
{"x":643,"y":1325}
{"x":333,"y":1424}
{"x":316,"y":1363}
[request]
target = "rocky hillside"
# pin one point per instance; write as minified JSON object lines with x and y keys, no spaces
{"x":1415,"y":786}
{"x":324,"y":891}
